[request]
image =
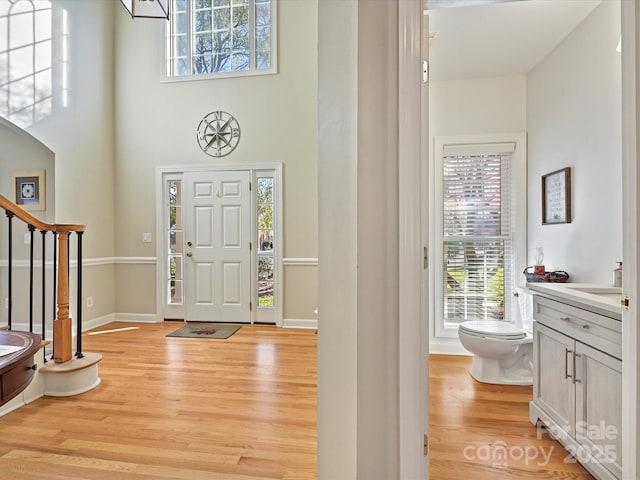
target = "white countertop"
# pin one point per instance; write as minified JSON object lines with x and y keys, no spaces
{"x":602,"y":298}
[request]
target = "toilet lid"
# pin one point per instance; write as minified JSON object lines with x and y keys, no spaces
{"x":497,"y":329}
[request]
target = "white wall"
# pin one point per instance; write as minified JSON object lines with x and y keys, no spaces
{"x":467,"y":107}
{"x":574,"y":120}
{"x":477,"y":105}
{"x":156,"y":126}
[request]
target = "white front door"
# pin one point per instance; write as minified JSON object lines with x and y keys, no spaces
{"x":217,"y":233}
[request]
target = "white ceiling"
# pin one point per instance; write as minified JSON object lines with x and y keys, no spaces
{"x":501,"y":39}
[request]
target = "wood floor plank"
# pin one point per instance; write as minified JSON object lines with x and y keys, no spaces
{"x":245,"y":408}
{"x":177,"y":408}
{"x":481,"y":431}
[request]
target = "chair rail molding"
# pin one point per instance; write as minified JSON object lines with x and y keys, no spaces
{"x":300,"y":262}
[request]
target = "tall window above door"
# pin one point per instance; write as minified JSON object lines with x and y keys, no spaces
{"x":480,"y":231}
{"x":221,"y":38}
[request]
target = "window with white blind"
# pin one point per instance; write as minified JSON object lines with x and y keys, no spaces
{"x":479,"y":231}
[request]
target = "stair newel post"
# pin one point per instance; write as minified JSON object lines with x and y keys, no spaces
{"x":62,"y":338}
{"x":79,"y":300}
{"x":10,"y":216}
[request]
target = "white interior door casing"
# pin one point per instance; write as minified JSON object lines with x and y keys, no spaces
{"x":630,"y":13}
{"x":218,"y":235}
{"x":413,"y":30}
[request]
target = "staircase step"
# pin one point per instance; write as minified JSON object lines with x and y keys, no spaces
{"x":45,"y":343}
{"x":76,"y":376}
{"x":72,"y":365}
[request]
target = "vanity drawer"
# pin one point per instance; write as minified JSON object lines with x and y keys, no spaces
{"x":603,"y":333}
{"x":14,"y":381}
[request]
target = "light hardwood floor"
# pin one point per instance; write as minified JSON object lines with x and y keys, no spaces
{"x":176,"y":408}
{"x":245,"y":408}
{"x":473,"y":422}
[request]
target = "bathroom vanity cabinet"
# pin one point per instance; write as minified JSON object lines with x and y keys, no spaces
{"x":577,"y":385}
{"x":17,"y":369}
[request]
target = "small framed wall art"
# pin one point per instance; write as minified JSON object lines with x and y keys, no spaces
{"x":29,"y":189}
{"x":556,"y":197}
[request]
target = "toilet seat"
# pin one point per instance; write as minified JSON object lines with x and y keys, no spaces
{"x":494,"y":329}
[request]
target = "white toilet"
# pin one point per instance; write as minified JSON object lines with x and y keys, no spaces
{"x":502,"y":351}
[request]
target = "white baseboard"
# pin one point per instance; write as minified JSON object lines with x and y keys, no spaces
{"x":97,"y":322}
{"x":119,"y":317}
{"x":310,"y":323}
{"x":86,"y":325}
{"x":448,"y":346}
{"x":138,"y":317}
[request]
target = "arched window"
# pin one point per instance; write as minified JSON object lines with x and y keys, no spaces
{"x":25,"y":60}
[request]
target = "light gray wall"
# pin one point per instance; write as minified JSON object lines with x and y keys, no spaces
{"x":574,"y":120}
{"x":19,"y":152}
{"x":358,"y":349}
{"x":80,"y":132}
{"x":120,"y":122}
{"x":378,"y":242}
{"x":337,"y":279}
{"x":156,"y":126}
{"x":22,"y":152}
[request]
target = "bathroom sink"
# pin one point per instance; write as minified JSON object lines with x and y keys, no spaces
{"x":604,"y":299}
{"x":612,"y":293}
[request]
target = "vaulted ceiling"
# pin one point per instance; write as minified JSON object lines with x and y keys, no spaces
{"x":485,"y":38}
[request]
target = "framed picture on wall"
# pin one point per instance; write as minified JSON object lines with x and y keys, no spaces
{"x":29,"y":189}
{"x":556,"y":197}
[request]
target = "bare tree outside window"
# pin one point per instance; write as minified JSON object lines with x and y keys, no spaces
{"x":209,"y":37}
{"x":265,"y":242}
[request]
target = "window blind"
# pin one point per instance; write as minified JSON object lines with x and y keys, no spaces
{"x":477,"y":241}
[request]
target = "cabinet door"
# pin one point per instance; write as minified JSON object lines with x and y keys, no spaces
{"x":598,"y":412}
{"x":553,"y":383}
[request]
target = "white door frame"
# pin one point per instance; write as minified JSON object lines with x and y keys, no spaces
{"x":413,"y":362}
{"x":630,"y":13}
{"x":342,"y":84}
{"x":163,"y":173}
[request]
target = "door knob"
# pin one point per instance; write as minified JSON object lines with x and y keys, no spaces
{"x":189,"y":254}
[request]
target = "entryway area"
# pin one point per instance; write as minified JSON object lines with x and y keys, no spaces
{"x":220,"y":248}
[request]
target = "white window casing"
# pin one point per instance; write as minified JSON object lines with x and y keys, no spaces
{"x":208,"y":39}
{"x":479,"y":242}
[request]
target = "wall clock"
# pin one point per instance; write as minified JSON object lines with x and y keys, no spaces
{"x":218,"y":133}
